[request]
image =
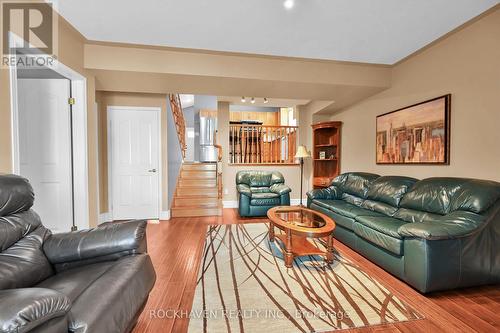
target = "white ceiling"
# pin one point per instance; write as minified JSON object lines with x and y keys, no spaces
{"x":372,"y":31}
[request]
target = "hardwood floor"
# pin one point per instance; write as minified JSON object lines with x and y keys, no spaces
{"x":176,"y":248}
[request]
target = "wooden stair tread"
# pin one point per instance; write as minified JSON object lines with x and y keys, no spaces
{"x":197,"y":193}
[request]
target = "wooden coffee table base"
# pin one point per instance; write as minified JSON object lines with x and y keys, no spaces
{"x":296,"y":246}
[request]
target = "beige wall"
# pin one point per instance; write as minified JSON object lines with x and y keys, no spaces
{"x":105,"y":99}
{"x":136,"y":68}
{"x":71,"y":54}
{"x":465,"y":64}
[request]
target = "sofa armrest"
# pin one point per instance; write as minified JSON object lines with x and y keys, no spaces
{"x":104,"y":241}
{"x":329,"y":193}
{"x":244,"y":189}
{"x":280,"y":189}
{"x":457,"y":224}
{"x":21,"y":310}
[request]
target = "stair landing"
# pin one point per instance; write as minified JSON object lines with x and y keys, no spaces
{"x":196,"y":192}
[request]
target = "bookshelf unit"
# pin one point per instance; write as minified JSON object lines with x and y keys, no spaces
{"x":326,"y":141}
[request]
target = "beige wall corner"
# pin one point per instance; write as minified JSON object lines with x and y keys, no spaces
{"x":465,"y":64}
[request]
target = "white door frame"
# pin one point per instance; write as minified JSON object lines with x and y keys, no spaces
{"x":109,"y":112}
{"x":80,"y":157}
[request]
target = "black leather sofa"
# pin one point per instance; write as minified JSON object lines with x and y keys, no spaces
{"x":435,"y":234}
{"x":95,"y":280}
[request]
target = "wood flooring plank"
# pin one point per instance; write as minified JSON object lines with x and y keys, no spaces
{"x":176,"y":247}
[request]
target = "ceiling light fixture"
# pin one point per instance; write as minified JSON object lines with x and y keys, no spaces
{"x":288,"y":4}
{"x":243,"y":100}
{"x":265,"y":100}
{"x":252,"y":100}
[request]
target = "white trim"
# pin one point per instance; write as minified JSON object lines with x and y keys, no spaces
{"x":165,"y":215}
{"x":104,"y":217}
{"x":229,"y":204}
{"x":234,"y":203}
{"x":296,"y":202}
{"x":159,"y":168}
{"x":80,"y":153}
{"x":97,"y":161}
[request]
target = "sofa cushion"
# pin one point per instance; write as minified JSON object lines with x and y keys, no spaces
{"x":352,"y":199}
{"x":24,"y":263}
{"x":16,"y":195}
{"x":27,"y":309}
{"x":345,"y":208}
{"x":339,"y":219}
{"x":73,"y":282}
{"x":260,"y":189}
{"x":118,"y":294}
{"x":265,"y":199}
{"x":387,"y":225}
{"x":445,"y":195}
{"x":390,"y":189}
{"x":391,"y":244}
{"x":380,"y":207}
{"x":259,"y":178}
{"x":410,"y":215}
{"x":357,"y":183}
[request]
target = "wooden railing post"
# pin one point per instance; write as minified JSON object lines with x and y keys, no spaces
{"x":257,"y":144}
{"x":219,"y":165}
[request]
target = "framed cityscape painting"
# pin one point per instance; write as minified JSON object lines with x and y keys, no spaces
{"x":416,"y":134}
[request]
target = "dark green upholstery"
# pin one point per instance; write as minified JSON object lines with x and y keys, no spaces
{"x":260,"y":190}
{"x":435,"y":234}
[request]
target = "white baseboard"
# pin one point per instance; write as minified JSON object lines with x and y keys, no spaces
{"x":104,"y":217}
{"x":296,"y":202}
{"x":234,"y":203}
{"x":230,"y":204}
{"x":165,"y":215}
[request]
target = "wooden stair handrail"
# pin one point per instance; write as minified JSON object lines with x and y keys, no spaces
{"x":180,"y":123}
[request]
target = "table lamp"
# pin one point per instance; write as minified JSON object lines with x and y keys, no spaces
{"x":301,"y":154}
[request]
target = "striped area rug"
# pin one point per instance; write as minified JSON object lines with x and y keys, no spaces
{"x":244,"y":286}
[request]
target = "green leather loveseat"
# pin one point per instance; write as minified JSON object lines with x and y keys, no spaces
{"x":435,"y":234}
{"x":260,"y":190}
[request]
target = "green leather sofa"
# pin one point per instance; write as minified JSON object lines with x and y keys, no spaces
{"x":435,"y":234}
{"x":260,"y":190}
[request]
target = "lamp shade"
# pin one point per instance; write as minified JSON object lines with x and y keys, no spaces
{"x":302,"y":152}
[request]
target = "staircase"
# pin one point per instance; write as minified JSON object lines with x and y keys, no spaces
{"x":197,"y":192}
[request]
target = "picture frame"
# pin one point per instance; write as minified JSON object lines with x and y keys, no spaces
{"x":416,"y":134}
{"x":322,"y":155}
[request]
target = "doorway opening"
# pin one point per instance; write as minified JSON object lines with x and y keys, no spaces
{"x":49,"y":142}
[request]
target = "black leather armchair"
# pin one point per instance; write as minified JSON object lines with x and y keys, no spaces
{"x":95,"y":280}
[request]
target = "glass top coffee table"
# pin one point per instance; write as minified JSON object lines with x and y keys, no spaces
{"x":300,"y":223}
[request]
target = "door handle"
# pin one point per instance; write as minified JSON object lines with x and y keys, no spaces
{"x":152,"y":170}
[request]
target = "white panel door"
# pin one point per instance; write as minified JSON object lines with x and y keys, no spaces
{"x":134,"y":151}
{"x":45,"y":148}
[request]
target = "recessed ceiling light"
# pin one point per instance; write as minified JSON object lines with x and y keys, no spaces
{"x":252,"y":100}
{"x":289,"y":4}
{"x":265,"y":100}
{"x":243,"y":100}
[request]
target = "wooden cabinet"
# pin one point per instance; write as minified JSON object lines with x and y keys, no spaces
{"x":267,"y":118}
{"x":326,"y":152}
